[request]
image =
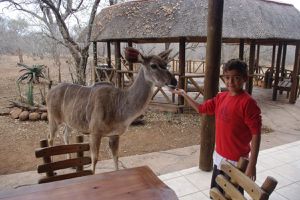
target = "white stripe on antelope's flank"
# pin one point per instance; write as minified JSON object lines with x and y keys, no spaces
{"x":74,"y":103}
{"x":65,"y":96}
{"x":87,"y":105}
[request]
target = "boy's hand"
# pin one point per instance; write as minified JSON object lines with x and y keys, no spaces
{"x":251,"y":172}
{"x":178,"y":91}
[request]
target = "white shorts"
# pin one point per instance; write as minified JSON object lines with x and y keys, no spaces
{"x":217,"y":158}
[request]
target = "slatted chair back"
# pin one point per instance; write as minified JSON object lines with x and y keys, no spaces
{"x":234,"y":177}
{"x":49,"y":166}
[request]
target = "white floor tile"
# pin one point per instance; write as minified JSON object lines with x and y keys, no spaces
{"x":268,"y":162}
{"x":291,"y":192}
{"x":284,"y":156}
{"x":282,"y":181}
{"x":261,"y":168}
{"x":206,"y":193}
{"x":190,"y":171}
{"x":276,"y":196}
{"x":181,"y":186}
{"x":288,"y":171}
{"x":282,"y":163}
{"x":168,"y":176}
{"x":201,"y":180}
{"x":296,"y":163}
{"x":195,"y":196}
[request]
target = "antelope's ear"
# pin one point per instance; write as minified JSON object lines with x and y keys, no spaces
{"x":133,"y":55}
{"x":165,"y":54}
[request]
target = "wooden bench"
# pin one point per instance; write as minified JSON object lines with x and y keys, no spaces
{"x":285,"y":85}
{"x":234,"y":177}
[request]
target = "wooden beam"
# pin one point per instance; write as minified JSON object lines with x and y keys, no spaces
{"x":270,"y":80}
{"x":95,"y":60}
{"x":249,"y":84}
{"x":211,"y":83}
{"x":282,"y":68}
{"x":241,"y":49}
{"x":295,"y":77}
{"x":118,"y":63}
{"x":282,"y":71}
{"x":257,"y":59}
{"x":108,"y":55}
{"x":276,"y":81}
{"x":181,"y":71}
{"x":130,"y":64}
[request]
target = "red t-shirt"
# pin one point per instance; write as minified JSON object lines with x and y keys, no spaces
{"x":237,"y":119}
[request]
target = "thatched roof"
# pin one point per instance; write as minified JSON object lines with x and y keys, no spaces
{"x":167,"y":20}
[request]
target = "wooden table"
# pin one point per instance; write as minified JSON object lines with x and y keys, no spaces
{"x":135,"y":183}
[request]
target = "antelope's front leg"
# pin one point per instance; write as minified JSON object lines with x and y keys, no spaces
{"x":53,"y":127}
{"x":114,"y":146}
{"x":95,"y":140}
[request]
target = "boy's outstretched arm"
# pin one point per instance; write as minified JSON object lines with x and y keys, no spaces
{"x":251,"y":168}
{"x":190,"y":100}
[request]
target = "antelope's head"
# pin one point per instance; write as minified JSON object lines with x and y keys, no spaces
{"x":155,"y":67}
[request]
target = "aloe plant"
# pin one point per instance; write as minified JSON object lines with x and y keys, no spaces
{"x":32,"y":75}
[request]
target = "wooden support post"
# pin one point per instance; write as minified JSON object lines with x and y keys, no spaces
{"x":278,"y":60}
{"x":95,"y":60}
{"x":241,"y":50}
{"x":130,"y":64}
{"x":108,"y":55}
{"x":249,"y":84}
{"x":79,"y":139}
{"x":295,"y":75}
{"x":118,"y":63}
{"x":182,"y":62}
{"x":282,"y":71}
{"x":46,"y":159}
{"x":270,"y":80}
{"x":211,"y":83}
{"x":282,"y":68}
{"x":257,"y":59}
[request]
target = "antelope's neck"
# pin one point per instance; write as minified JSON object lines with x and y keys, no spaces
{"x":139,"y":94}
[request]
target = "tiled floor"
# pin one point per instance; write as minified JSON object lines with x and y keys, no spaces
{"x":281,"y":162}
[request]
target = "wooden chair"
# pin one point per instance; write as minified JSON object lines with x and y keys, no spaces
{"x":285,"y":85}
{"x":49,"y":167}
{"x":234,"y":177}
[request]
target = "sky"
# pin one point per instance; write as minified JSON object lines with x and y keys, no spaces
{"x":14,"y":15}
{"x":296,"y":3}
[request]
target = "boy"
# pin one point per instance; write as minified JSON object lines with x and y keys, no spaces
{"x":238,"y":120}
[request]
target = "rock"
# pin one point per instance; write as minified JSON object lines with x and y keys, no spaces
{"x":44,"y":116}
{"x":34,"y":116}
{"x":24,"y":115}
{"x":15,"y":112}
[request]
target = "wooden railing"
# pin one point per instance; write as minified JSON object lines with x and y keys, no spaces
{"x":191,"y":66}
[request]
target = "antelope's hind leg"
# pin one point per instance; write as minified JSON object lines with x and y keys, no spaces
{"x":53,"y":126}
{"x":66,"y":132}
{"x":114,"y":146}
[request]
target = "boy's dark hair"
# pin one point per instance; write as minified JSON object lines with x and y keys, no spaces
{"x":238,"y":65}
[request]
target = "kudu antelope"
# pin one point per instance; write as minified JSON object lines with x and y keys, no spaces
{"x":103,"y":110}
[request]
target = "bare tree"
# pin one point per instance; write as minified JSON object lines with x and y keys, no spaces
{"x":54,"y":14}
{"x":11,"y":33}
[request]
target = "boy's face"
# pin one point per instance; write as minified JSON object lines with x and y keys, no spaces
{"x":234,"y":81}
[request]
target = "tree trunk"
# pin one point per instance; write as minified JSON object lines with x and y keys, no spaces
{"x":80,"y":65}
{"x":20,"y":54}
